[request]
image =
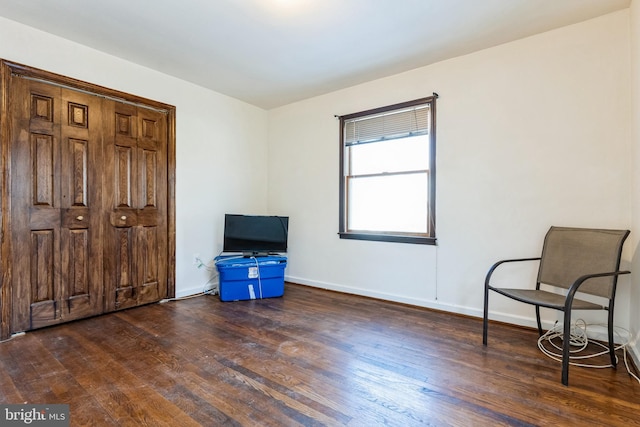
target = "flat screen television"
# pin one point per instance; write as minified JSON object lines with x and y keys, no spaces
{"x":255,"y":235}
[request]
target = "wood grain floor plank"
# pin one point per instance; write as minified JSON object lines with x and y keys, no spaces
{"x":251,"y":379}
{"x":178,"y":363}
{"x":311,"y":358}
{"x":128,"y":400}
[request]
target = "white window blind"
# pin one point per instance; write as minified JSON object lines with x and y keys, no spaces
{"x":403,"y":123}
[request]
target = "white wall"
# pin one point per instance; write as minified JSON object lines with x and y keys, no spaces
{"x":221,"y":142}
{"x":530,"y":134}
{"x":635,"y":133}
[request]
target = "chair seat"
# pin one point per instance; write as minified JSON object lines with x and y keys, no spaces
{"x":546,"y":299}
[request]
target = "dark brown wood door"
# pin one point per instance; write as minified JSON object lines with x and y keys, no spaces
{"x":56,"y":204}
{"x":135,"y":191}
{"x":87,"y":190}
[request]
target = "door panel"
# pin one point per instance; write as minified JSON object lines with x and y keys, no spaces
{"x":44,"y":293}
{"x":119,"y":173}
{"x":81,"y":205}
{"x":55,"y":202}
{"x":35,"y":219}
{"x":123,"y":175}
{"x":44,"y":151}
{"x":78,"y":149}
{"x":148,"y":255}
{"x":136,"y":189}
{"x":123,"y":276}
{"x":152,"y":204}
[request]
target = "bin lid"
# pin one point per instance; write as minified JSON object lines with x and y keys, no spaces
{"x":241,"y":261}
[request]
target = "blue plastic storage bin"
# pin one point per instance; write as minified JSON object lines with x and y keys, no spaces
{"x":250,"y":278}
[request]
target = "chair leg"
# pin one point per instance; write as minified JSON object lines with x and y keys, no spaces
{"x":485,"y":321}
{"x":538,"y":320}
{"x":566,"y":344}
{"x":612,"y":348}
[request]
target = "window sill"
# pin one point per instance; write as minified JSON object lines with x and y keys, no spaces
{"x":389,"y":238}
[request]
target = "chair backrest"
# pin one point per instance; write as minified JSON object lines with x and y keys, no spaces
{"x":569,"y":253}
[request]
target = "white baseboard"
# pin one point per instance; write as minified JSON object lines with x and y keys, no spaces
{"x":426,"y":303}
{"x":420,"y":302}
{"x":634,"y":352}
{"x":593,"y":332}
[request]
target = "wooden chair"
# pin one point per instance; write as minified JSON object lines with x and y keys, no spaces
{"x":573,"y":260}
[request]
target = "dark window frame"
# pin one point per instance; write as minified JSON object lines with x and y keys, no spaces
{"x":426,"y":239}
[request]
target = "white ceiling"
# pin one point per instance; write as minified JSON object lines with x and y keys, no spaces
{"x":273,"y":52}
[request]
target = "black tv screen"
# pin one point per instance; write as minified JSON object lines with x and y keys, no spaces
{"x":255,"y":234}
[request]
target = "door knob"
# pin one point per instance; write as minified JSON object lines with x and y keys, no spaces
{"x":123,"y":217}
{"x":79,"y":217}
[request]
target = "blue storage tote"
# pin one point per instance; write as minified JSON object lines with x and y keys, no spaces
{"x":250,"y":278}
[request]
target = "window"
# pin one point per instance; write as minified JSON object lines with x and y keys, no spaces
{"x":387,"y":173}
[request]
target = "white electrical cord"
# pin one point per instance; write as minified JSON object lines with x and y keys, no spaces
{"x":579,"y":340}
{"x":205,"y":291}
{"x":258,"y":270}
{"x":15,"y":335}
{"x":211,"y":291}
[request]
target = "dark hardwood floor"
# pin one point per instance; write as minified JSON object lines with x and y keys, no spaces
{"x":310,"y":358}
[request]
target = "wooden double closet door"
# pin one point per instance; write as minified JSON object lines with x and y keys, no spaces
{"x":87,"y":205}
